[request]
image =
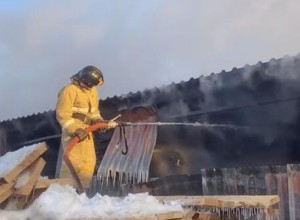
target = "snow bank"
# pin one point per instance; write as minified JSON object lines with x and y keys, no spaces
{"x":61,"y":202}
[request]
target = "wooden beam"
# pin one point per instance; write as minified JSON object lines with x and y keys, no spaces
{"x":151,"y":217}
{"x":35,"y":170}
{"x":265,"y":201}
{"x":159,"y":216}
{"x":206,"y":216}
{"x":6,"y":195}
{"x":6,"y":186}
{"x":12,"y":174}
{"x":169,"y":215}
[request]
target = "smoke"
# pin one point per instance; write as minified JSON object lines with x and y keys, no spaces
{"x":262,"y":97}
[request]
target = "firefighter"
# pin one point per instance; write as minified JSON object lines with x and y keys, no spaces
{"x":76,"y":109}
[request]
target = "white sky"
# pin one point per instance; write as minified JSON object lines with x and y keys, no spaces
{"x":62,"y":202}
{"x":137,"y":44}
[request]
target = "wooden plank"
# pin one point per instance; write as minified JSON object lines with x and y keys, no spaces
{"x":207,"y":216}
{"x":224,"y":201}
{"x":169,"y":215}
{"x":45,"y":183}
{"x":6,"y":186}
{"x":35,"y":171}
{"x":192,"y":214}
{"x":21,"y":202}
{"x":225,"y":204}
{"x":6,"y":195}
{"x":151,"y":217}
{"x":118,"y":218}
{"x":235,"y":201}
{"x":11,"y":175}
{"x":159,"y":216}
{"x":212,"y":202}
{"x":35,"y":194}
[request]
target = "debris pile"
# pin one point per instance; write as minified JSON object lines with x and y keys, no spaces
{"x":20,"y":177}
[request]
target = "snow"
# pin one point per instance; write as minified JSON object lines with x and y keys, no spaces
{"x":60,"y":202}
{"x":22,"y":180}
{"x":11,"y":159}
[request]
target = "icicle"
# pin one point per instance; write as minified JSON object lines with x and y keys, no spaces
{"x":114,"y":178}
{"x":128,"y":178}
{"x":120,"y":178}
{"x":139,"y":177}
{"x":107,"y":179}
{"x":145,"y":176}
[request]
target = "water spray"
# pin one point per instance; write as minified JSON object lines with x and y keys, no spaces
{"x":193,"y":124}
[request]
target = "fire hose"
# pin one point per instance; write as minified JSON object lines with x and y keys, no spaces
{"x":70,"y":146}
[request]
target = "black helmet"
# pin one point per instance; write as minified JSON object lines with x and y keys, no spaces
{"x":90,"y":76}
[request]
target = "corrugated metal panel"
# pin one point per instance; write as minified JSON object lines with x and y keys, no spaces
{"x":294,"y":191}
{"x":128,"y":155}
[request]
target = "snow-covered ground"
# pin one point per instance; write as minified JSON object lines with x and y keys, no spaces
{"x":62,"y":202}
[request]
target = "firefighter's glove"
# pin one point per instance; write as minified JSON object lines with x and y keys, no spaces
{"x":81,"y":134}
{"x":96,"y":121}
{"x":112,"y":124}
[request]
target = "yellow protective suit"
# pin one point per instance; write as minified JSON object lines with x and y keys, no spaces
{"x":74,"y":100}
